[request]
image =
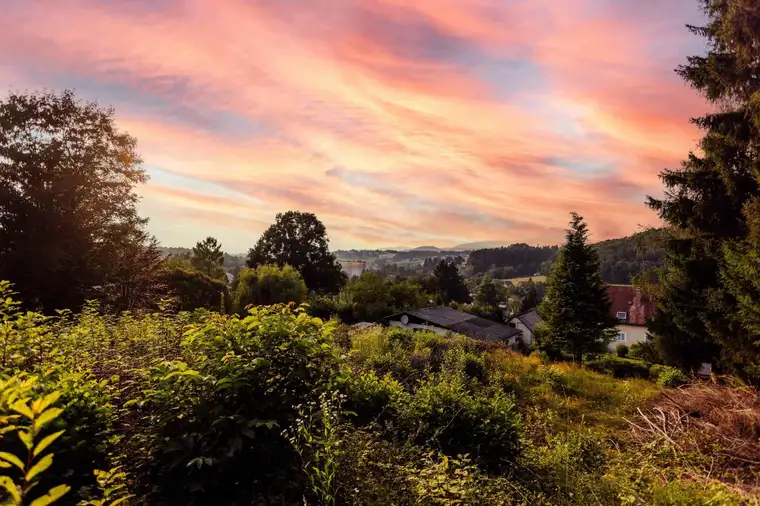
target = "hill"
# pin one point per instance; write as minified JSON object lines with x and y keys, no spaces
{"x":621,"y":258}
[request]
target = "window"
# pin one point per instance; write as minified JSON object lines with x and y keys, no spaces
{"x":620,"y":337}
{"x":622,"y":315}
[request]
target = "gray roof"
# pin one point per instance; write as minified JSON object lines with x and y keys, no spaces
{"x":465,"y":323}
{"x":530,"y":319}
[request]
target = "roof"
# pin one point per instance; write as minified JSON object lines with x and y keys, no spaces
{"x":463,"y":323}
{"x":530,"y":319}
{"x":629,"y":300}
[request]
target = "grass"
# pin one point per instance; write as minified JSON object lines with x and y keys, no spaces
{"x":524,"y":279}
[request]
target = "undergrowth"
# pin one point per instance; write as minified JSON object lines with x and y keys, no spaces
{"x":278,"y":407}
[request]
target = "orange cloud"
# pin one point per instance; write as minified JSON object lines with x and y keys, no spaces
{"x":435,"y":121}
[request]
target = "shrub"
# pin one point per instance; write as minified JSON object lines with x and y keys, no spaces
{"x":322,"y":306}
{"x":483,"y":424}
{"x":646,"y":351}
{"x":268,"y":284}
{"x":621,"y":350}
{"x":195,"y":290}
{"x":370,"y":396}
{"x":619,"y":367}
{"x":670,"y":377}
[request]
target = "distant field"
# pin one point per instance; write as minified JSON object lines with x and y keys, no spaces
{"x":517,"y":281}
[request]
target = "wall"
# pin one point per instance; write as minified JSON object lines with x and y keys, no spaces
{"x":527,"y":335}
{"x":633,"y":334}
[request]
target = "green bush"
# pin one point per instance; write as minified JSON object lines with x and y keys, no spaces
{"x":621,"y":350}
{"x":322,"y":306}
{"x":619,"y":367}
{"x":371,"y":397}
{"x":483,"y":424}
{"x":268,"y":284}
{"x":670,"y":377}
{"x":646,"y":351}
{"x":195,"y":290}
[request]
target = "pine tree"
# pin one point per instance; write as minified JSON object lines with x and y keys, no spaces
{"x":530,"y":300}
{"x":699,"y":316}
{"x":576,"y":308}
{"x":451,"y":286}
{"x":208,"y":257}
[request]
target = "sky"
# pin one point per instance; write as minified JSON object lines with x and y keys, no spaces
{"x":397,"y":122}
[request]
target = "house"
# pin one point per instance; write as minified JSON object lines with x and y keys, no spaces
{"x":526,"y":323}
{"x":632,"y":309}
{"x":444,"y":320}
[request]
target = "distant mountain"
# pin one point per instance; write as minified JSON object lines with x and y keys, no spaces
{"x":426,"y":248}
{"x":470,"y":246}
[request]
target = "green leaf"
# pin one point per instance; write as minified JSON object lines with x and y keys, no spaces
{"x":20,"y":407}
{"x":46,"y":441}
{"x":46,"y":417}
{"x":7,"y":484}
{"x":9,"y":457}
{"x":53,"y":495}
{"x":26,"y":437}
{"x":39,"y":467}
{"x":41,"y":405}
{"x":122,"y":499}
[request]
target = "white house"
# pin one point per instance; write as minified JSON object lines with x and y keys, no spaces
{"x":526,"y":323}
{"x":632,"y":309}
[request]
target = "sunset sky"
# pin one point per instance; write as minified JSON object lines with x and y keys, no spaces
{"x":398,"y":122}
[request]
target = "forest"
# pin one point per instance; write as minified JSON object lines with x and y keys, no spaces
{"x":136,"y":375}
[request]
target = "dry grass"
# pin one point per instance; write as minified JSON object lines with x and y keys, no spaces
{"x":718,"y":423}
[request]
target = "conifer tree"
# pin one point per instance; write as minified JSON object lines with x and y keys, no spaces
{"x":450,"y":282}
{"x":703,"y":301}
{"x":576,"y":308}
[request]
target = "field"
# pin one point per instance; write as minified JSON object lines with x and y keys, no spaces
{"x":517,"y":281}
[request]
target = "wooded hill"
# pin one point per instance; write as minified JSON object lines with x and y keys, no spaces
{"x":621,"y":258}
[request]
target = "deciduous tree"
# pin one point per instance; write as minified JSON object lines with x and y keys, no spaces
{"x":268,"y":284}
{"x":300,"y":240}
{"x":67,"y":198}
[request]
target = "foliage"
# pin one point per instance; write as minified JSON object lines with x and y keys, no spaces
{"x":68,"y":221}
{"x":450,"y":283}
{"x":621,"y":350}
{"x":671,"y":377}
{"x":276,"y":407}
{"x":300,"y":240}
{"x":268,"y":284}
{"x":707,"y":294}
{"x":26,"y":415}
{"x":208,"y":257}
{"x":315,"y":437}
{"x":373,"y":296}
{"x":321,"y":306}
{"x":576,"y":308}
{"x":619,"y":367}
{"x":195,"y":290}
{"x":488,"y":293}
{"x":646,"y":351}
{"x":525,"y":260}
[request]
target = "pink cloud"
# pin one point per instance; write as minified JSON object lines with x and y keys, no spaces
{"x":379,"y":115}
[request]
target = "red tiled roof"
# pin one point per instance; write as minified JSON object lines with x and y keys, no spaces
{"x":636,"y":306}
